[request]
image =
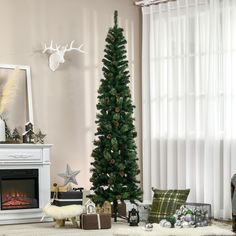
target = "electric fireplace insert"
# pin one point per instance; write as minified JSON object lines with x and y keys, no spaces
{"x":19,"y":189}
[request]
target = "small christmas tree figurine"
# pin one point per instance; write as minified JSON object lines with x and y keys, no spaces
{"x":16,"y":135}
{"x":115,"y":167}
{"x":8,"y":133}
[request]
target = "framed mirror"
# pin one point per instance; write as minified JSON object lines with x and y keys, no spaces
{"x":18,"y":109}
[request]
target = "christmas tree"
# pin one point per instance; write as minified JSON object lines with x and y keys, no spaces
{"x":115,"y":168}
{"x":16,"y":135}
{"x":8,"y":134}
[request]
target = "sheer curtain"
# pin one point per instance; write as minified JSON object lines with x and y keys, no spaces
{"x":189,"y":99}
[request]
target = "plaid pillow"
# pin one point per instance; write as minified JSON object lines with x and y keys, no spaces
{"x":166,"y":202}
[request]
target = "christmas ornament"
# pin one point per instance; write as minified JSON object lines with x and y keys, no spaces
{"x":8,"y":135}
{"x":186,"y":218}
{"x":122,"y":173}
{"x":185,"y":224}
{"x":118,"y":197}
{"x":116,"y":123}
{"x":16,"y":135}
{"x":178,"y":224}
{"x":69,"y":175}
{"x":39,"y":137}
{"x":117,"y":109}
{"x":164,"y":223}
{"x":149,"y":227}
{"x":28,"y":135}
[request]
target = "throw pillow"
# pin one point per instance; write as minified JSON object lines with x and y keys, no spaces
{"x":166,"y":202}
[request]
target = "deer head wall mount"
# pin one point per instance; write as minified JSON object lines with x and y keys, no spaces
{"x":57,"y":54}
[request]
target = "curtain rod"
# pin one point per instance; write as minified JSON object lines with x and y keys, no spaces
{"x":144,"y":3}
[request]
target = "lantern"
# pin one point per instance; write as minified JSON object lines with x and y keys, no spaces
{"x":133,"y":218}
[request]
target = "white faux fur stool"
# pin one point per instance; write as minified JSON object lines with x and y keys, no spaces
{"x":160,"y":231}
{"x":60,"y":214}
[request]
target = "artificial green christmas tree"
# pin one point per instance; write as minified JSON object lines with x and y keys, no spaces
{"x":115,"y":168}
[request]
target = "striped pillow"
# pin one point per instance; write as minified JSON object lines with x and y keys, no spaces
{"x":166,"y":202}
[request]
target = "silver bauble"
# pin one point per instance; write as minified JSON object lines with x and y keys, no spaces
{"x":188,"y":217}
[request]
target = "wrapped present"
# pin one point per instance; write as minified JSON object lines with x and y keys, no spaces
{"x":67,"y":198}
{"x":143,"y":209}
{"x":105,"y":208}
{"x":55,"y":188}
{"x":95,"y":221}
{"x":63,"y":189}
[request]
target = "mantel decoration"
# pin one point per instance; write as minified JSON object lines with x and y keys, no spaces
{"x":69,"y":175}
{"x":7,"y":95}
{"x":28,"y":135}
{"x":12,"y":137}
{"x":2,"y":131}
{"x":57,"y":53}
{"x":39,"y":137}
{"x":114,"y":167}
{"x":8,"y":135}
{"x":16,"y":136}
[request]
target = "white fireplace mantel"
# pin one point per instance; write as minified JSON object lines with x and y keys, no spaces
{"x":27,"y":156}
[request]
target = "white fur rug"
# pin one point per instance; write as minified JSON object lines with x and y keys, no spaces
{"x":47,"y":229}
{"x":160,"y":231}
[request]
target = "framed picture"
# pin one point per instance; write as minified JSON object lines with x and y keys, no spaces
{"x":20,"y":109}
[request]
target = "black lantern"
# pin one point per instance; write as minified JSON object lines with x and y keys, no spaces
{"x":133,"y":218}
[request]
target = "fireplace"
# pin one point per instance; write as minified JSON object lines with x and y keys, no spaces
{"x":24,"y":182}
{"x":19,"y":189}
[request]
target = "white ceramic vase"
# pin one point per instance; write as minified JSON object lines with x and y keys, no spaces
{"x":2,"y":131}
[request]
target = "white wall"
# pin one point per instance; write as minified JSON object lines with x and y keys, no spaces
{"x":65,"y":101}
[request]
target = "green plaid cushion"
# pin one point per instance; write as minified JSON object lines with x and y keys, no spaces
{"x":166,"y":202}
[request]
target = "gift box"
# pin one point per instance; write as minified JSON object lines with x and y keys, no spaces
{"x":202,"y":212}
{"x":67,"y":198}
{"x":105,"y":208}
{"x":143,"y":209}
{"x":95,"y":221}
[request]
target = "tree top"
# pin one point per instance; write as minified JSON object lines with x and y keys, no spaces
{"x":115,"y":17}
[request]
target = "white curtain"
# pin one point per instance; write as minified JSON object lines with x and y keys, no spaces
{"x":189,"y":100}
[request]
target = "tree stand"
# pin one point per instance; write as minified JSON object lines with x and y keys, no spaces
{"x":116,"y":213}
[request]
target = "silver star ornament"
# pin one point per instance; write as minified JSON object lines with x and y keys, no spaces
{"x":69,"y":175}
{"x":39,"y":137}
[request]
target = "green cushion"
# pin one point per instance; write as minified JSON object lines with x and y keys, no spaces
{"x":166,"y":202}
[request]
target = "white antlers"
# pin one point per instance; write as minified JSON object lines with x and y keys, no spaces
{"x":57,"y":53}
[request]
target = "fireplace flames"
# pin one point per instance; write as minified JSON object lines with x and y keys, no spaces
{"x":15,"y":200}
